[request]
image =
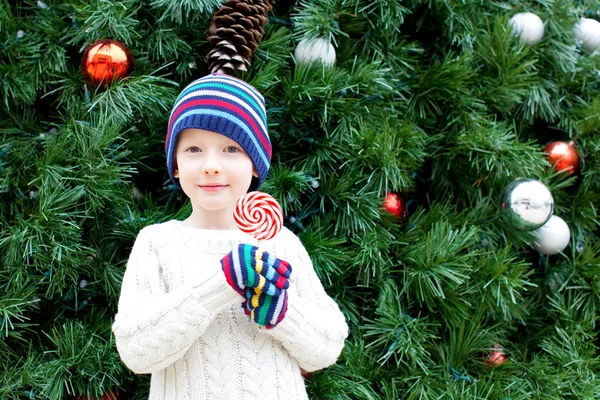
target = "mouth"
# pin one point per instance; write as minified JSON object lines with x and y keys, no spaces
{"x":213,"y":187}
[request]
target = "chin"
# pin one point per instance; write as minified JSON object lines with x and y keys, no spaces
{"x":216,"y":205}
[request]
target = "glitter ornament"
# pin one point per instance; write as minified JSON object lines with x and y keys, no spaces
{"x":563,"y":156}
{"x":527,"y":204}
{"x":311,"y":50}
{"x":528,"y":26}
{"x":394,"y":204}
{"x":258,"y":214}
{"x":587,"y":31}
{"x":553,"y":237}
{"x":106,"y":61}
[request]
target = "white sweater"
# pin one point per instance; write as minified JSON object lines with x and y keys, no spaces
{"x":179,"y":320}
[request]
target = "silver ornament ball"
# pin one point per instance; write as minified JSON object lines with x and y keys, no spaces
{"x":527,"y":204}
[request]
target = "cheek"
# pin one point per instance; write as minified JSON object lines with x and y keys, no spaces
{"x":251,"y":171}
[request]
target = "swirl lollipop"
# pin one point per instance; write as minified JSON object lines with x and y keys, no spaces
{"x":259,"y":214}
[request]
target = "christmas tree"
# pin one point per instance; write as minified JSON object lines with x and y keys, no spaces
{"x":407,"y":167}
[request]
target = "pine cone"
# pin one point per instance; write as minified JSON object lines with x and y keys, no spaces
{"x":235,"y":32}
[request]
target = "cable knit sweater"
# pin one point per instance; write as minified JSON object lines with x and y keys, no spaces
{"x":179,"y":320}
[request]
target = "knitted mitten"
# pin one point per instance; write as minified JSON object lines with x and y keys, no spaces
{"x":266,"y":310}
{"x":252,"y":267}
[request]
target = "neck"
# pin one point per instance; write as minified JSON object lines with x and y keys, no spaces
{"x":213,"y":220}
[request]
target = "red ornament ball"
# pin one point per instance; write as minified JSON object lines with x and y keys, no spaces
{"x":394,"y":204}
{"x":497,"y":358}
{"x":305,"y":375}
{"x":106,"y":61}
{"x":563,"y":156}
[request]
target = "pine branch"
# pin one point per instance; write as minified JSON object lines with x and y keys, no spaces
{"x":317,"y":19}
{"x":179,"y":11}
{"x":439,"y":261}
{"x":397,"y":337}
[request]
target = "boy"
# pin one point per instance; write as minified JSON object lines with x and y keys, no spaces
{"x":202,"y":335}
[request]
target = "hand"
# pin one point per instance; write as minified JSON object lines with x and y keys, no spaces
{"x":264,"y":309}
{"x":248,"y":266}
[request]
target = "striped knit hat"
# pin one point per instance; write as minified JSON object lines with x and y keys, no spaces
{"x":226,"y":105}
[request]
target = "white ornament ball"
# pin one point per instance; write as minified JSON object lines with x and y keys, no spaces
{"x":553,"y":237}
{"x":528,"y":26}
{"x":587,"y":30}
{"x":311,"y":50}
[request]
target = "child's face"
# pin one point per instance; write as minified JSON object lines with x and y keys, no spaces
{"x":213,"y":170}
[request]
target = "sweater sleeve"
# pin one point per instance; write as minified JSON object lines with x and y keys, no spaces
{"x":154,"y":328}
{"x":314,"y":329}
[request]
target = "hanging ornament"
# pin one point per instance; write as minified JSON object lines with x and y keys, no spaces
{"x":394,"y":204}
{"x":587,"y":30}
{"x":106,"y":61}
{"x":553,"y":237}
{"x":527,"y":204}
{"x":311,"y":50}
{"x":497,"y":358}
{"x":528,"y":26}
{"x":563,"y":156}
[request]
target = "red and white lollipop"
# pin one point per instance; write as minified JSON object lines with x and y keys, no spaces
{"x":258,"y":214}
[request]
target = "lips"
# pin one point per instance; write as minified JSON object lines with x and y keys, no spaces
{"x":213,"y":187}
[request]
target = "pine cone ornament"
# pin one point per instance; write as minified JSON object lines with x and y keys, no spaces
{"x":235,"y":32}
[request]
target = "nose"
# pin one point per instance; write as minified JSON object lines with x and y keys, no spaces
{"x":211,"y":165}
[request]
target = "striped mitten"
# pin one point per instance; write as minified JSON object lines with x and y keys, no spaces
{"x":264,"y":309}
{"x":248,"y":266}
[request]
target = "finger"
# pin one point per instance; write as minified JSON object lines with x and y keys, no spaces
{"x":265,"y":274}
{"x":275,"y":277}
{"x":257,"y":299}
{"x":282,"y":267}
{"x":272,"y":268}
{"x":266,"y":286}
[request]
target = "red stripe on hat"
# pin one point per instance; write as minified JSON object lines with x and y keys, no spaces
{"x":223,"y":104}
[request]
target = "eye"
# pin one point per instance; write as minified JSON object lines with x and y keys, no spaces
{"x":232,"y":149}
{"x":194,"y":149}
